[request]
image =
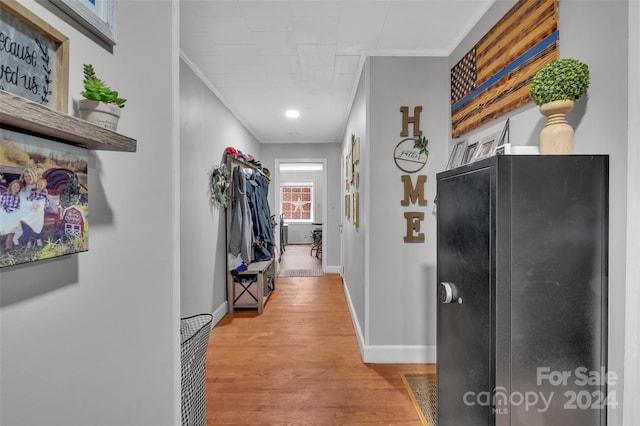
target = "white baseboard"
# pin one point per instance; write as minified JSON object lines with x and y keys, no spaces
{"x":354,"y":317}
{"x":219,"y":313}
{"x":399,"y":354}
{"x":389,"y":354}
{"x":333,"y":270}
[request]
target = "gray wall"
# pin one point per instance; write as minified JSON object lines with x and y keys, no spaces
{"x":207,"y":128}
{"x":389,"y":283}
{"x":93,"y":338}
{"x":402,"y":275}
{"x":353,"y":249}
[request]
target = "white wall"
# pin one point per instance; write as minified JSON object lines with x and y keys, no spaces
{"x":600,"y":121}
{"x":207,"y":128}
{"x":93,"y":338}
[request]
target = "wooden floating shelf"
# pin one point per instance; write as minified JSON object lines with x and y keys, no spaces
{"x":35,"y":118}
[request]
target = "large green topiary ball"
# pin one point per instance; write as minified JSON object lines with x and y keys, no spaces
{"x":563,"y":79}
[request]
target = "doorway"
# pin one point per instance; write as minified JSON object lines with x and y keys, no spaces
{"x":300,"y":194}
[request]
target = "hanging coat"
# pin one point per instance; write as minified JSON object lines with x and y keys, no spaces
{"x":266,"y":230}
{"x":257,"y":193}
{"x":240,"y":231}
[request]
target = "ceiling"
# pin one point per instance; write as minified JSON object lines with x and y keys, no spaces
{"x":264,"y":57}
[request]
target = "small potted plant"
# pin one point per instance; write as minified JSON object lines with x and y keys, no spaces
{"x":101,"y":105}
{"x":555,"y":88}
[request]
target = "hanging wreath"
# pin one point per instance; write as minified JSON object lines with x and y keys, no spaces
{"x":219,"y":179}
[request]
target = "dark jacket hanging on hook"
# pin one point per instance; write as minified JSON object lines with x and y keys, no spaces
{"x":257,"y":191}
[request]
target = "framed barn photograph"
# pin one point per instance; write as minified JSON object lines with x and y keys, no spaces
{"x":44,"y":198}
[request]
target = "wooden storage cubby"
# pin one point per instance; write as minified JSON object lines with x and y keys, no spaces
{"x":258,"y":291}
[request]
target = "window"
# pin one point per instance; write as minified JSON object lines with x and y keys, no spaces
{"x":296,"y":202}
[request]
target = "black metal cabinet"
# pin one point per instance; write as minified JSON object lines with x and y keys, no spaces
{"x":522,"y":309}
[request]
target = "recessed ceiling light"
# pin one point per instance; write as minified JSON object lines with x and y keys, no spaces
{"x":292,"y":113}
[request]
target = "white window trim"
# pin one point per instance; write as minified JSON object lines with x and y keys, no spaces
{"x":298,"y":184}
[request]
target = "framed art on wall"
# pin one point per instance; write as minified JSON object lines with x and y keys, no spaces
{"x":356,"y":209}
{"x":355,"y":148}
{"x":44,"y":198}
{"x":98,"y":16}
{"x":347,"y":206}
{"x":348,"y":167}
{"x":34,"y":57}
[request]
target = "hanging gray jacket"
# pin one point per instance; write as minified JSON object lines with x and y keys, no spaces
{"x":240,"y":231}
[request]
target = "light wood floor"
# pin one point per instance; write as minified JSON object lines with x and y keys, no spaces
{"x":299,"y":364}
{"x":298,"y":256}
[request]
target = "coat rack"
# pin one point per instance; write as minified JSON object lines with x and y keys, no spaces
{"x":250,"y":287}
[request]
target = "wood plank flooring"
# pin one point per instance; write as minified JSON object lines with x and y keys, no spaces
{"x":299,"y":364}
{"x":298,"y":256}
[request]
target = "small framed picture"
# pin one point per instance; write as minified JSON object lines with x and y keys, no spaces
{"x":356,"y":209}
{"x":486,"y":147}
{"x":347,"y":206}
{"x":347,"y":166}
{"x":457,"y":154}
{"x":355,"y":149}
{"x":504,"y":146}
{"x":470,"y":152}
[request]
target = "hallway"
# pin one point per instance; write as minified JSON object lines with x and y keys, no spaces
{"x":299,"y":363}
{"x":299,"y":257}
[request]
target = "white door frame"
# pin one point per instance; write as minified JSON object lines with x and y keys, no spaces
{"x":278,"y":161}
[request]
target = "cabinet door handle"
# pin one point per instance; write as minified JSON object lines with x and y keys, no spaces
{"x":448,"y":293}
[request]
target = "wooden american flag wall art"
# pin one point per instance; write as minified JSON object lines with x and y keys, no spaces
{"x":494,"y":77}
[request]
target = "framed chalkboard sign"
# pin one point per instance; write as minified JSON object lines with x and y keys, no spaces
{"x":34,"y":58}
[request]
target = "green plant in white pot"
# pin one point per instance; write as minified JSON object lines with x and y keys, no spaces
{"x":555,"y":88}
{"x":101,"y":105}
